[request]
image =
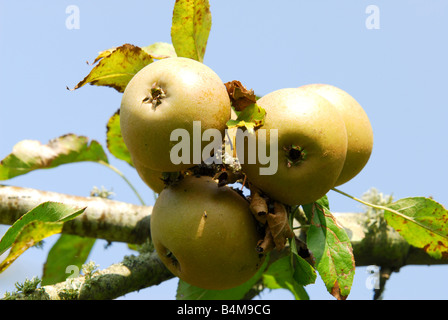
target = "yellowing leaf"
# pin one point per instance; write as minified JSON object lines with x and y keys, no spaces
{"x":115,"y":143}
{"x":422,"y":222}
{"x":45,"y":212}
{"x":42,"y":221}
{"x":29,"y":155}
{"x":190,"y":28}
{"x":116,"y":67}
{"x":31,"y":234}
{"x":104,"y":54}
{"x":251,"y":118}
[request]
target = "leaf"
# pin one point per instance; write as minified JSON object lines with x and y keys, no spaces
{"x":160,"y":50}
{"x":239,"y":95}
{"x":250,"y":118}
{"x":116,"y":67}
{"x":190,"y":28}
{"x":69,"y":250}
{"x":42,"y":221}
{"x":422,"y":222}
{"x":304,"y":274}
{"x":279,"y":225}
{"x":44,"y":212}
{"x":280,"y":275}
{"x":115,"y":142}
{"x":29,"y":235}
{"x":186,"y":291}
{"x":29,"y":155}
{"x":258,"y":206}
{"x":266,"y":244}
{"x":331,"y":248}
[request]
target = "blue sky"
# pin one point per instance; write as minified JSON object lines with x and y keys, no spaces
{"x":397,"y":73}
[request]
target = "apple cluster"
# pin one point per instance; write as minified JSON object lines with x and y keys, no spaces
{"x":204,"y":231}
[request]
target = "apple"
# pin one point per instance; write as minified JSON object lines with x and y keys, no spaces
{"x":152,"y":178}
{"x":166,"y":95}
{"x":359,"y":129}
{"x":312,"y":146}
{"x":205,"y":234}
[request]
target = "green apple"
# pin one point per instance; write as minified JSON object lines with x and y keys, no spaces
{"x":312,"y":146}
{"x":152,"y":178}
{"x":166,"y":95}
{"x":205,"y":234}
{"x":359,"y":129}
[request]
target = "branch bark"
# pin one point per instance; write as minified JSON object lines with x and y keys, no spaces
{"x":103,"y":218}
{"x":132,"y":274}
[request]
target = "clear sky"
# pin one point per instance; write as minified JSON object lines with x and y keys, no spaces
{"x":397,"y":71}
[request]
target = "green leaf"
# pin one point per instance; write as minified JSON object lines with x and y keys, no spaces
{"x":280,"y":275}
{"x":251,"y":118}
{"x":190,"y":28}
{"x":116,"y":67}
{"x":331,"y":248}
{"x":42,"y":221}
{"x":115,"y":143}
{"x":422,"y":222}
{"x":29,"y":235}
{"x":304,"y":274}
{"x":44,"y":212}
{"x":69,"y":250}
{"x":160,"y":50}
{"x":29,"y":155}
{"x":186,"y":291}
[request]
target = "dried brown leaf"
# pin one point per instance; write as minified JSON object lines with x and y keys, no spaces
{"x":258,"y":207}
{"x":266,"y":244}
{"x":279,"y":225}
{"x":239,"y":95}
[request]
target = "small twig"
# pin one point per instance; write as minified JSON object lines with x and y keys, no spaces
{"x":385,"y":273}
{"x":124,"y":178}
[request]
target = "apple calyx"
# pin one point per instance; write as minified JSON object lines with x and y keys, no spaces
{"x":155,"y":95}
{"x":294,"y":155}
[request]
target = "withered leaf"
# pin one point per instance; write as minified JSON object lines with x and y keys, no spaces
{"x":239,"y":95}
{"x":266,"y":244}
{"x":279,"y":225}
{"x":29,"y":155}
{"x":258,"y":207}
{"x":115,"y":67}
{"x":190,"y":28}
